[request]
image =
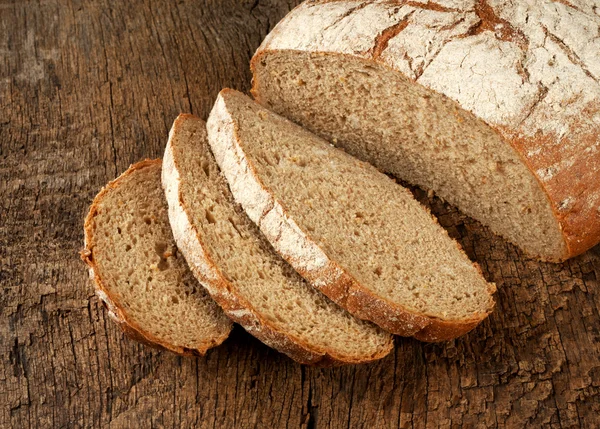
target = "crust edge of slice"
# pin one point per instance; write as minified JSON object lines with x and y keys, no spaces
{"x":116,"y":313}
{"x":327,"y":276}
{"x":209,"y":275}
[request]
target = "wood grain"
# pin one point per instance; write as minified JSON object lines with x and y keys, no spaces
{"x":87,"y":88}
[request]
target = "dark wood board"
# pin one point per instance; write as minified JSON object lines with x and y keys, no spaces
{"x":89,"y":87}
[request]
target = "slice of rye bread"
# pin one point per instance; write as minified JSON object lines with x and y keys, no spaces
{"x":144,"y":282}
{"x":242,"y":272}
{"x":355,"y":234}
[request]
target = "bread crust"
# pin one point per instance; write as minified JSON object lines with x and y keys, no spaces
{"x":210,"y":276}
{"x":115,"y":312}
{"x":548,"y":107}
{"x":326,"y":275}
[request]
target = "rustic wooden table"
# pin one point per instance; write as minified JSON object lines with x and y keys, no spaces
{"x":86,"y":88}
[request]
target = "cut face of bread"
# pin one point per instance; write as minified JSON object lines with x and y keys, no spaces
{"x":418,"y":135}
{"x":243,"y":273}
{"x":139,"y":273}
{"x":350,"y":230}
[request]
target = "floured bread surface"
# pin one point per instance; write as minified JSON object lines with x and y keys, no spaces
{"x":370,"y":227}
{"x":255,"y":286}
{"x":139,"y":272}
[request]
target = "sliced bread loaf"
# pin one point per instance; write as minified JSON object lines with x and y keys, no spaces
{"x":492,"y":104}
{"x":139,"y":274}
{"x":243,"y":273}
{"x":355,"y":234}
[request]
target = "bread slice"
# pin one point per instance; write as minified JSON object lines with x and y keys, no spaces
{"x":139,"y":274}
{"x":491,"y":104}
{"x":243,"y":273}
{"x":355,"y":234}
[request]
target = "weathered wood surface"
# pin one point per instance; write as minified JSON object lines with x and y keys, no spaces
{"x":86,"y":88}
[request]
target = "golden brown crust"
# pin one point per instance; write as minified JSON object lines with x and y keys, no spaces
{"x":580,"y":223}
{"x":110,"y":302}
{"x":221,"y":290}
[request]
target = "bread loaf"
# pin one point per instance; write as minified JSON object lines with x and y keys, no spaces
{"x":139,"y":274}
{"x":492,"y":104}
{"x":243,"y":273}
{"x":355,"y":234}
